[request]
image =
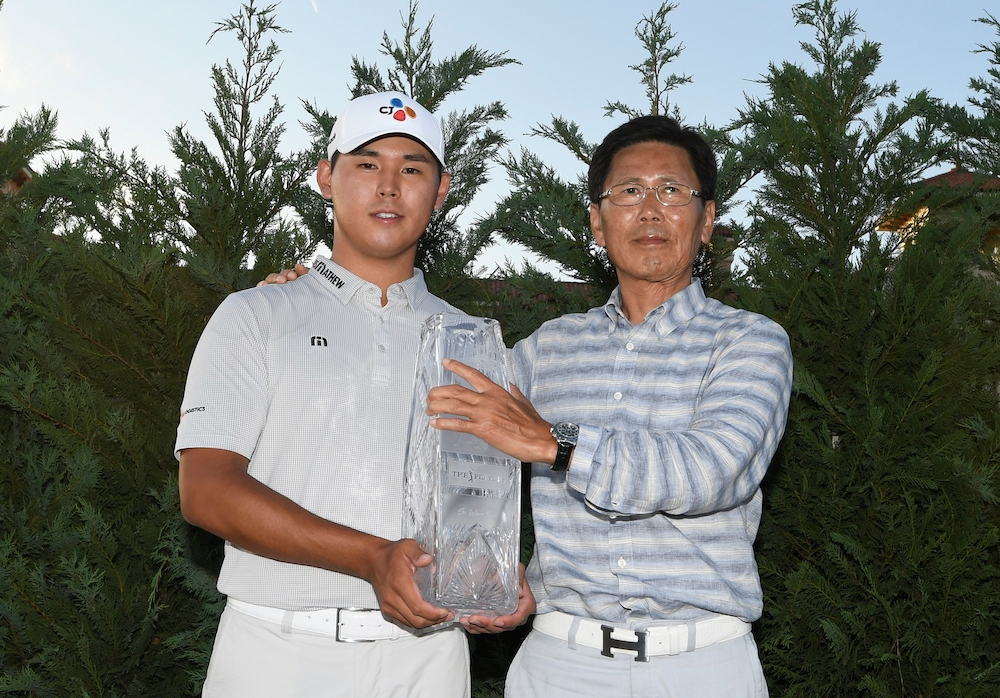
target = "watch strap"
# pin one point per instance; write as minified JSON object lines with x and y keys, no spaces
{"x":566,"y":434}
{"x":564,"y":453}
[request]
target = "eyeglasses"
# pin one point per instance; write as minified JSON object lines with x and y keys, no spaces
{"x":668,"y":194}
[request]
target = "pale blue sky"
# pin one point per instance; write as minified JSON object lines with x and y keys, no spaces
{"x":140,"y":67}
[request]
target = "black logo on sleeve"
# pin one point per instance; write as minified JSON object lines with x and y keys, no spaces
{"x":327,"y":273}
{"x":318,"y":341}
{"x":192,"y":409}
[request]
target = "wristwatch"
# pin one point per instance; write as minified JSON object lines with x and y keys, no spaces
{"x":566,"y":434}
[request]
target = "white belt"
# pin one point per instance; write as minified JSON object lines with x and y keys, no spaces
{"x":345,"y":624}
{"x":645,"y":642}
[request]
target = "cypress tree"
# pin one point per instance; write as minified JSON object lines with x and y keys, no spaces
{"x":879,"y":542}
{"x":236,"y":193}
{"x":975,"y":133}
{"x":88,"y":605}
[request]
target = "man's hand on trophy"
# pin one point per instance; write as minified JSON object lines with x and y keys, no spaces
{"x":477,"y":625}
{"x":506,"y":421}
{"x":391,"y":574}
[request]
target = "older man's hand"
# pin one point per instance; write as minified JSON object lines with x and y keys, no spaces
{"x":477,"y":624}
{"x":506,"y":421}
{"x":284,"y":275}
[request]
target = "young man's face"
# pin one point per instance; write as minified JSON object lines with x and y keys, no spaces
{"x":383,"y":195}
{"x":651,"y":242}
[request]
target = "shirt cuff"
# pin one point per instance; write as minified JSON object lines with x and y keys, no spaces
{"x":583,"y":458}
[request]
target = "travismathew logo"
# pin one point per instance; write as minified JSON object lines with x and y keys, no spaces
{"x":327,"y":273}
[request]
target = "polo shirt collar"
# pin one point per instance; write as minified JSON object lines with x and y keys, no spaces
{"x":672,"y":313}
{"x":414,"y":288}
{"x":344,"y":285}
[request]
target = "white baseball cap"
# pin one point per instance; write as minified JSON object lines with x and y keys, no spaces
{"x":383,"y":114}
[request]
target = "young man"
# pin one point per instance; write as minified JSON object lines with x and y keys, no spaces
{"x":657,"y":416}
{"x":293,"y":432}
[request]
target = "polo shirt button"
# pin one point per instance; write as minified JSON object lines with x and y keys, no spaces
{"x":621,"y":562}
{"x":381,"y":347}
{"x":630,"y":346}
{"x":618,"y":396}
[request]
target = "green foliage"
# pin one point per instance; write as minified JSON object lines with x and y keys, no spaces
{"x":488,"y":688}
{"x":655,"y":35}
{"x":548,"y":216}
{"x":878,"y":549}
{"x":104,"y":330}
{"x":976,"y":137}
{"x":834,"y":160}
{"x":87,"y":609}
{"x":238,"y":201}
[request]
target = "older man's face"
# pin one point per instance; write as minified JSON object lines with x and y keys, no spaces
{"x":652,"y":243}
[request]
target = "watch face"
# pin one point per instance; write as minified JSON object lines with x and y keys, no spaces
{"x":566,"y":431}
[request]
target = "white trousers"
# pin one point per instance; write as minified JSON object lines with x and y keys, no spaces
{"x":546,"y":667}
{"x":253,"y":658}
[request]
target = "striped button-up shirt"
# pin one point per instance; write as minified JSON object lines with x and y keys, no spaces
{"x":679,"y":418}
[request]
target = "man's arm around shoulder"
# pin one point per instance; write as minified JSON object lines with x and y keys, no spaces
{"x":218,"y":494}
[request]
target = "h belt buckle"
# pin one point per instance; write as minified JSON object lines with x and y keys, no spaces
{"x":639,"y":646}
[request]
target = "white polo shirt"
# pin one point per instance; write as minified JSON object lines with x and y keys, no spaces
{"x":312,"y":381}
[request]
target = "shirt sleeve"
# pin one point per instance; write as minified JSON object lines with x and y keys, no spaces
{"x":520,"y":360}
{"x":226,"y":396}
{"x":718,"y":461}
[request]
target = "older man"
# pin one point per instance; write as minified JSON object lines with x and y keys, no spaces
{"x":650,"y":422}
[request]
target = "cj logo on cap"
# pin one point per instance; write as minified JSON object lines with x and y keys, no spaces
{"x":398,"y":111}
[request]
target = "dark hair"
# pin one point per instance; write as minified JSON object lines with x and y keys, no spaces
{"x":661,"y":129}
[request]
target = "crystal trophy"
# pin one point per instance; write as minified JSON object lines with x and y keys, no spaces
{"x":462,"y":497}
